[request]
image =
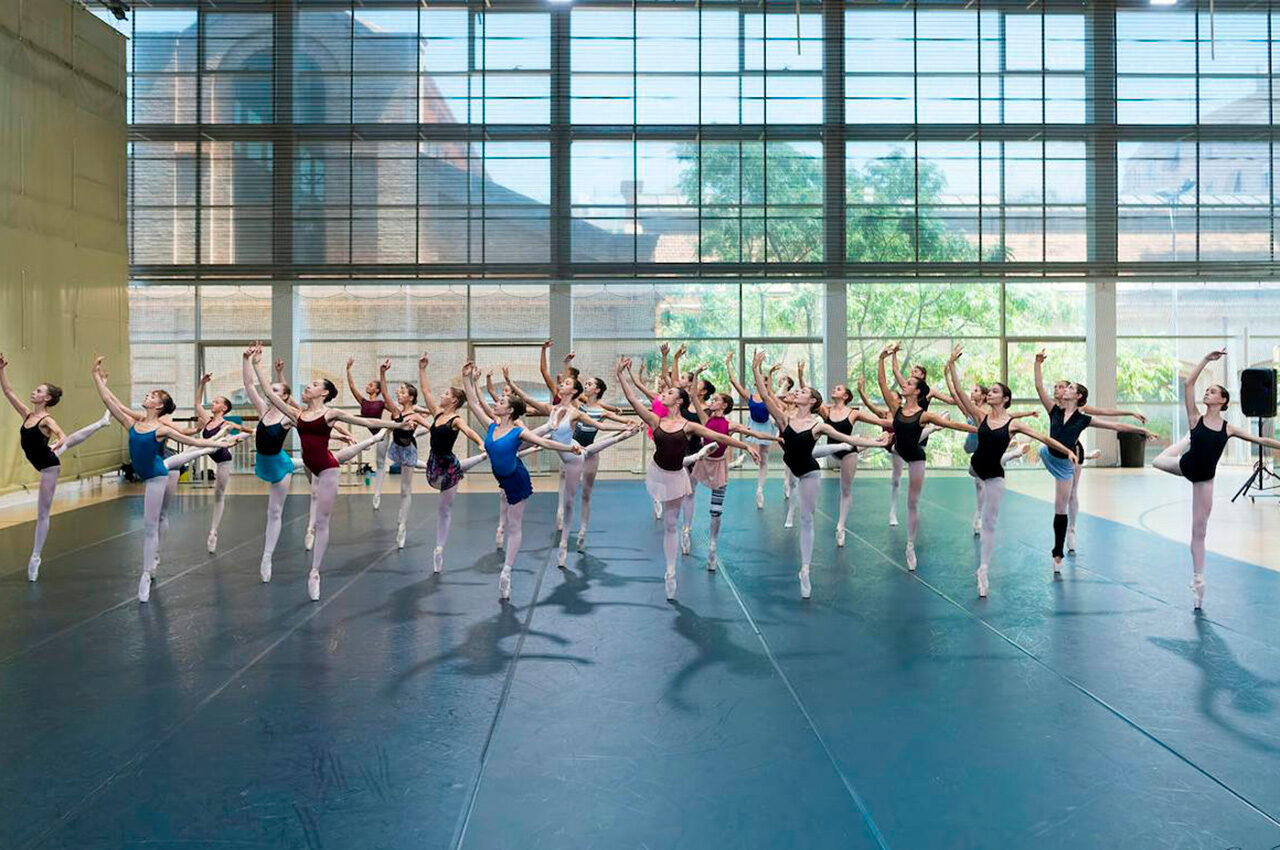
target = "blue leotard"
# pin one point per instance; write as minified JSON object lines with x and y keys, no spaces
{"x":145,"y":454}
{"x":508,"y":470}
{"x":272,"y":463}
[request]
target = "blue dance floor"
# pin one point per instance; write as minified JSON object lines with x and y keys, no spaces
{"x":407,"y":710}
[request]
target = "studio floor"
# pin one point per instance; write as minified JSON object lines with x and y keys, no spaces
{"x":409,"y":710}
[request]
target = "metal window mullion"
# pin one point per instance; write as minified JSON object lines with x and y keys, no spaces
{"x":351,"y":135}
{"x":197,"y":254}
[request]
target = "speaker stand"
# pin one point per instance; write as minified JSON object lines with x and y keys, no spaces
{"x":1262,"y":479}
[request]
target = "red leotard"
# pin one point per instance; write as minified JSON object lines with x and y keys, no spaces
{"x":314,"y":434}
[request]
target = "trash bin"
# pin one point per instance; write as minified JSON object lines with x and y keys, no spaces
{"x":1133,"y":450}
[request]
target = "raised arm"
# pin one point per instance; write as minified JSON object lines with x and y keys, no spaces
{"x":868,"y":403}
{"x":800,"y":374}
{"x":545,"y":368}
{"x":733,"y":379}
{"x":538,"y":407}
{"x":202,"y":413}
{"x":468,"y":431}
{"x":122,"y":413}
{"x":639,"y":384}
{"x":393,"y":407}
{"x":898,"y":378}
{"x":1189,"y":386}
{"x":673,"y":378}
{"x":491,"y":389}
{"x":1019,"y":428}
{"x":625,"y":378}
{"x":428,"y":400}
{"x":892,"y":399}
{"x":765,"y":389}
{"x":665,"y":351}
{"x":962,"y":400}
{"x":478,"y":410}
{"x":1023,"y":414}
{"x":695,"y":396}
{"x":250,"y":384}
{"x":277,"y":402}
{"x":723,"y":439}
{"x":852,"y":439}
{"x":334,"y":414}
{"x":218,"y":442}
{"x":351,"y":382}
{"x":931,"y":418}
{"x":1045,"y":398}
{"x":1122,"y":428}
{"x":543,"y":443}
{"x":1233,"y":431}
{"x":13,"y":397}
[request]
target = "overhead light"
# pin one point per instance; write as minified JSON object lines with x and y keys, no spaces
{"x":1164,"y":2}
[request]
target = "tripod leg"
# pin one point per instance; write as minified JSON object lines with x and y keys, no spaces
{"x":1255,"y":476}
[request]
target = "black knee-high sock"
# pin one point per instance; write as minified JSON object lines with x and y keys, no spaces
{"x":1059,"y":534}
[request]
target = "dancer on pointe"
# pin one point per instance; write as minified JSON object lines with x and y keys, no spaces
{"x":1067,"y":421}
{"x":504,"y":432}
{"x":667,"y":479}
{"x":212,"y":420}
{"x":314,"y":424}
{"x":565,"y":417}
{"x":44,"y":443}
{"x":761,"y":422}
{"x":443,"y":468}
{"x":146,"y":431}
{"x":842,"y":416}
{"x":372,"y":405}
{"x":712,"y":469}
{"x":404,"y":443}
{"x":996,"y":425}
{"x":977,"y":396}
{"x":800,"y":428}
{"x":909,"y":421}
{"x":1195,"y":457}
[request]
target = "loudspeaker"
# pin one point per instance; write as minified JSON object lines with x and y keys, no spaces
{"x":1258,"y":393}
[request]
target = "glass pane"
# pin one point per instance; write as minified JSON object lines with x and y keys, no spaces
{"x":1066,"y":362}
{"x":235,"y":312}
{"x":424,"y":311}
{"x":1045,"y":309}
{"x":161,"y":313}
{"x":782,"y":309}
{"x":502,"y":312}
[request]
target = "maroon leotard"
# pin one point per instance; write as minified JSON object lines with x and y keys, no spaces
{"x":314,"y":435}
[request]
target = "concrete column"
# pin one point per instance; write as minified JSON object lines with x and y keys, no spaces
{"x":1100,"y":342}
{"x":835,"y":335}
{"x":561,"y":322}
{"x":284,"y":335}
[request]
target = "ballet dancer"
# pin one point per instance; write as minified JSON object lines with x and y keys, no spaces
{"x":842,"y":416}
{"x":212,"y":420}
{"x":372,"y":405}
{"x":314,"y":424}
{"x":977,"y":397}
{"x":44,"y":443}
{"x":761,"y":421}
{"x":1067,"y":421}
{"x":1195,"y":458}
{"x":593,"y":389}
{"x":712,"y":469}
{"x":564,"y":417}
{"x":909,"y":421}
{"x":404,"y":444}
{"x":504,"y":432}
{"x":995,"y":427}
{"x":667,"y":479}
{"x":800,"y":427}
{"x":443,"y":468}
{"x":146,"y":431}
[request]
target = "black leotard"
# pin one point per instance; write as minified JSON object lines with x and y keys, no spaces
{"x":403,"y":437}
{"x":906,"y":435}
{"x":1066,"y":431}
{"x":695,"y":442}
{"x":35,"y":445}
{"x":1200,"y":462}
{"x":844,"y":426}
{"x":797,"y":451}
{"x":992,"y":444}
{"x":923,"y":399}
{"x":269,"y":439}
{"x":669,"y":449}
{"x":443,"y":437}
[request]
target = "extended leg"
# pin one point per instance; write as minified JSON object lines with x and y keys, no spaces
{"x":762,"y":473}
{"x":915,"y":485}
{"x":670,"y":545}
{"x":848,"y":469}
{"x":221,"y":478}
{"x":152,"y":505}
{"x":572,"y":471}
{"x":353,"y":450}
{"x":75,"y":438}
{"x":992,"y":494}
{"x":325,"y":493}
{"x":713,"y":533}
{"x":379,"y":469}
{"x":406,"y":500}
{"x":895,"y":481}
{"x":807,"y":486}
{"x":607,"y":443}
{"x":1168,"y":460}
{"x":1061,"y":498}
{"x":444,"y":521}
{"x":590,"y":467}
{"x":515,"y":536}
{"x":1201,"y":507}
{"x":275,"y":518}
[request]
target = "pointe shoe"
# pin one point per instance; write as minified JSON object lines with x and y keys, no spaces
{"x":806,"y":588}
{"x":893,"y":518}
{"x":786,"y":492}
{"x":1071,"y":541}
{"x":790,"y":518}
{"x":500,"y":538}
{"x":977,"y":524}
{"x":560,"y":520}
{"x":437,"y":560}
{"x":144,"y":587}
{"x":33,"y":568}
{"x":657,"y":510}
{"x":982,"y":582}
{"x":840,"y":536}
{"x":562,"y":557}
{"x":212,"y":543}
{"x":1057,"y":567}
{"x":309,"y":540}
{"x":313,"y":586}
{"x":264,"y":570}
{"x":401,"y":533}
{"x":711,"y":560}
{"x":911,"y":557}
{"x":686,"y":541}
{"x":504,"y":584}
{"x":377,"y":501}
{"x":582,"y":539}
{"x":670,"y":581}
{"x":759,"y":500}
{"x":1197,"y":591}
